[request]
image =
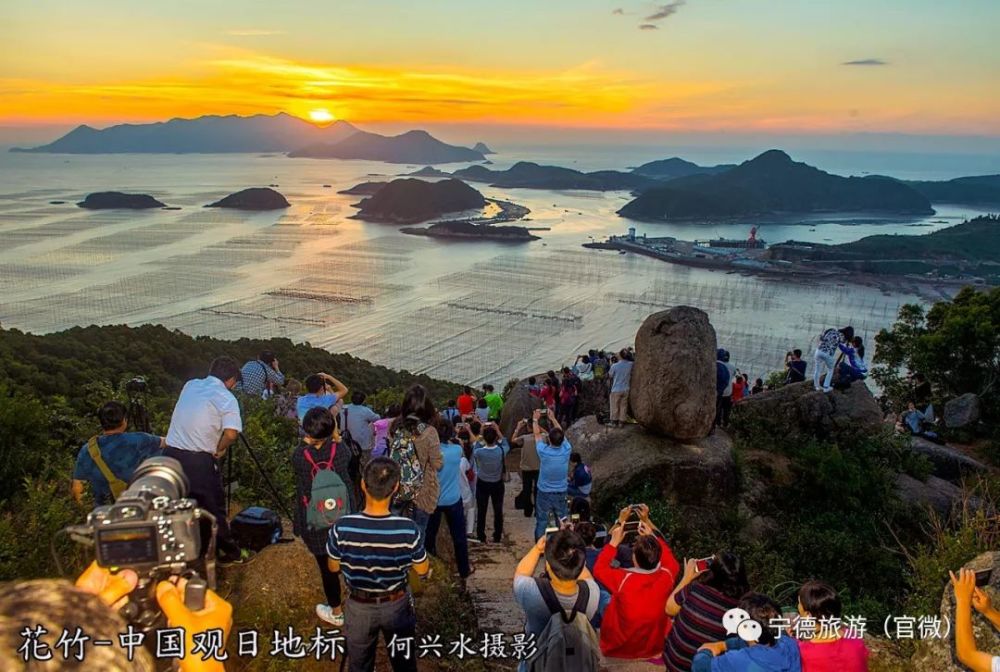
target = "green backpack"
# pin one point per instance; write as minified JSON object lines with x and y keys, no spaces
{"x":329,"y":498}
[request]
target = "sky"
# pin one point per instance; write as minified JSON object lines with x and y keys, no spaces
{"x":916,"y":68}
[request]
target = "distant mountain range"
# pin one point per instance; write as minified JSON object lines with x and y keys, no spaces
{"x":260,"y":133}
{"x":527,"y":175}
{"x":410,"y":147}
{"x":672,"y":168}
{"x":203,"y":135}
{"x":770,"y":184}
{"x":408,"y":200}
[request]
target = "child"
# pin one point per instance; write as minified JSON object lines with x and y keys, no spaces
{"x":766,"y":652}
{"x":483,"y":411}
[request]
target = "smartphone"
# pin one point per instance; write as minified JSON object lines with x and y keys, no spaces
{"x":575,"y":518}
{"x":704,"y":563}
{"x":983,"y":577}
{"x":549,"y":531}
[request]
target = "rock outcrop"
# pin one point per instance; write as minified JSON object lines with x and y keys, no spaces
{"x":116,"y":200}
{"x":962,"y":412}
{"x":936,"y":493}
{"x":797,"y":410}
{"x":695,"y":475}
{"x":518,"y":405}
{"x":254,"y":198}
{"x":938,"y":654}
{"x":949,"y":463}
{"x":673,"y":380}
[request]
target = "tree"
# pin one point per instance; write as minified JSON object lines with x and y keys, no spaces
{"x":955,"y":344}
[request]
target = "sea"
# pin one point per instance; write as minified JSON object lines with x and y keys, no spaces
{"x":472,"y":312}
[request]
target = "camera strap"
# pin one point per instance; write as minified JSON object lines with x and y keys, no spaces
{"x":116,"y":484}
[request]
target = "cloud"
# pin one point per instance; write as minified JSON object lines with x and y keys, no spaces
{"x":253,"y":32}
{"x":619,"y":12}
{"x":648,"y":26}
{"x":665,"y":10}
{"x":867,"y":61}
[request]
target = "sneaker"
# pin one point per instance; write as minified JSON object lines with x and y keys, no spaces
{"x":473,"y":540}
{"x":325,"y":613}
{"x":827,"y":390}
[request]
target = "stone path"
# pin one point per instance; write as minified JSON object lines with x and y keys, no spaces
{"x":491,"y":585}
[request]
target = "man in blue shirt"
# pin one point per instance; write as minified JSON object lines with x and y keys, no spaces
{"x":120,"y":451}
{"x":553,"y":467}
{"x":324,"y":391}
{"x":357,"y":419}
{"x":260,"y":377}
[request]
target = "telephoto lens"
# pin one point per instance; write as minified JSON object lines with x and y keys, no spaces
{"x":157,"y":477}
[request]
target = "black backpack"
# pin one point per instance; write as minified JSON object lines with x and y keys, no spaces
{"x":256,"y":528}
{"x":354,"y":465}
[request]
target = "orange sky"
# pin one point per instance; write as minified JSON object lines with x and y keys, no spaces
{"x":708,"y":65}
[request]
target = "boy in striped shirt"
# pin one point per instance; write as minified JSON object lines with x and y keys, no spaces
{"x":374,"y":551}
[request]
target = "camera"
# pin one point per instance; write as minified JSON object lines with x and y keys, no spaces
{"x":136,"y":386}
{"x":154,"y":530}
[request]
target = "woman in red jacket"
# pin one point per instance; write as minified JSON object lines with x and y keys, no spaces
{"x":634,"y":624}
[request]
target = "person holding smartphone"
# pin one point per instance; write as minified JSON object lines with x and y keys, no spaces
{"x":969,"y":595}
{"x":634,"y":625}
{"x":553,"y":464}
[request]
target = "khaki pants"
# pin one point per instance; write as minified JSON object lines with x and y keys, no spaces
{"x":619,"y":406}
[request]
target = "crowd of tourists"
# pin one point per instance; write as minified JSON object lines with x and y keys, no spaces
{"x":371,"y":490}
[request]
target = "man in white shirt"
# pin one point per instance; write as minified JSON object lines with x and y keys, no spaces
{"x":205,"y":423}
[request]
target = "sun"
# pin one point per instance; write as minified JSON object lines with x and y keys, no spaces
{"x":321,"y":115}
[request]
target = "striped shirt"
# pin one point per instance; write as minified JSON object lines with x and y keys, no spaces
{"x":698,"y":622}
{"x":375,"y":552}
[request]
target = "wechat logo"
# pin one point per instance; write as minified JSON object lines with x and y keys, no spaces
{"x":738,"y":622}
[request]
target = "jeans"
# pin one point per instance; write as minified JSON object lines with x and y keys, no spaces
{"x":824,"y":360}
{"x":489,"y":493}
{"x":915,"y":419}
{"x":204,"y":475}
{"x":619,"y":406}
{"x":364,"y":622}
{"x":331,"y":581}
{"x":544,"y":503}
{"x":529,"y":480}
{"x":455,"y":515}
{"x":575,"y":492}
{"x":848,"y":374}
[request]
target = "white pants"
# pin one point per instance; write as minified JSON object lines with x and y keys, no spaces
{"x":824,"y":360}
{"x":470,"y":517}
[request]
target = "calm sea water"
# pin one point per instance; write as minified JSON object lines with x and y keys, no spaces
{"x":473,"y":312}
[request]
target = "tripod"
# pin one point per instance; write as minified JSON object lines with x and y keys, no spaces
{"x":138,"y":416}
{"x":278,"y":499}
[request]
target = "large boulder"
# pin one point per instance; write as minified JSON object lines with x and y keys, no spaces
{"x":673,"y":380}
{"x":938,"y":654}
{"x":697,"y":474}
{"x":799,"y":411}
{"x":962,"y":411}
{"x":949,"y":463}
{"x":936,"y":493}
{"x":518,"y":405}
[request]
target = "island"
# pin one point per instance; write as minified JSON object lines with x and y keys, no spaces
{"x":208,"y":134}
{"x":428,"y":171}
{"x":462,"y":229}
{"x":976,"y":190}
{"x":528,"y":175}
{"x":363,"y":188}
{"x":772,"y":184}
{"x":254,"y":198}
{"x":409,"y":200}
{"x":970,"y":250}
{"x":116,"y":200}
{"x":674,"y":167}
{"x":418,"y":147}
{"x":482,"y":148}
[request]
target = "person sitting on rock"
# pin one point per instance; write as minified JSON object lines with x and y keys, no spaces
{"x":795,"y":367}
{"x":851,"y":362}
{"x":699,"y":601}
{"x":583,"y":368}
{"x":767,"y":651}
{"x":758,"y":387}
{"x":919,"y":414}
{"x":827,"y":649}
{"x":580,"y":482}
{"x":826,"y":350}
{"x":967,"y":596}
{"x":635,"y":624}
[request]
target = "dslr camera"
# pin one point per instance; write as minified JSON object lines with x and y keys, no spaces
{"x":156,"y":531}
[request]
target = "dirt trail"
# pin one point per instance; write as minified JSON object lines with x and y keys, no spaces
{"x":491,"y":584}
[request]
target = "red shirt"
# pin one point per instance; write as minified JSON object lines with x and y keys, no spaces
{"x":739,"y":390}
{"x":635,"y":623}
{"x":842,"y":655}
{"x":466,"y":404}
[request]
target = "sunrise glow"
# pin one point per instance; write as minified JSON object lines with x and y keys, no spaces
{"x":321,"y":116}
